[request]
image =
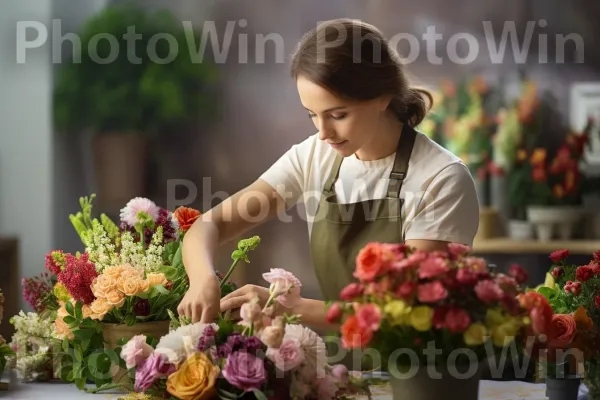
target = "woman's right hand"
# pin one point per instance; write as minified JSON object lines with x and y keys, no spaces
{"x":201,"y":302}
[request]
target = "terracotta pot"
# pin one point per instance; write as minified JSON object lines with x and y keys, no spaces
{"x":119,"y":167}
{"x":114,"y":332}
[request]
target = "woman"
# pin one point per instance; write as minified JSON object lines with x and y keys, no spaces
{"x":376,"y":177}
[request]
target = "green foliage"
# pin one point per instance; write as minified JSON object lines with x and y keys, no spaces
{"x":133,"y":91}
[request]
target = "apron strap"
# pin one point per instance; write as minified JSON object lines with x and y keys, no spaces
{"x":333,"y":175}
{"x":400,"y":168}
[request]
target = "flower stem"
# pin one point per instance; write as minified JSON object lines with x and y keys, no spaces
{"x":228,"y":274}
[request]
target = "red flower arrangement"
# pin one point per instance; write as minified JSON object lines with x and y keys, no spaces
{"x":449,"y":298}
{"x":77,"y":277}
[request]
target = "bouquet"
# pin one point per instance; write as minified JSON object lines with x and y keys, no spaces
{"x":5,"y":350}
{"x":129,"y":273}
{"x":263,"y":356}
{"x":574,"y":293}
{"x":409,"y":299}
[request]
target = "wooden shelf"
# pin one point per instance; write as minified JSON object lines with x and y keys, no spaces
{"x":512,"y":246}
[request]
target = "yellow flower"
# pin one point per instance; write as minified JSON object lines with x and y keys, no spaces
{"x":549,"y":281}
{"x":195,"y":379}
{"x":61,"y":292}
{"x":129,"y":285}
{"x":421,"y":318}
{"x":494,"y":317}
{"x":475,"y":334}
{"x":398,"y":312}
{"x":157,"y":279}
{"x":503,"y":334}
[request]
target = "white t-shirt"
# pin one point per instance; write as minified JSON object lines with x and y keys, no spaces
{"x":440,"y":200}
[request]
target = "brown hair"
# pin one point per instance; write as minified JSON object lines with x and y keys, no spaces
{"x":353,"y":59}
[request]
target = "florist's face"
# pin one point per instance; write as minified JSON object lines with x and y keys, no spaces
{"x":345,"y":125}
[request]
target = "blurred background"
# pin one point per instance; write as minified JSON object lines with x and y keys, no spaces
{"x":195,"y":132}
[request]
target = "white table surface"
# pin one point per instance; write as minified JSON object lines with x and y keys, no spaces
{"x":489,"y":390}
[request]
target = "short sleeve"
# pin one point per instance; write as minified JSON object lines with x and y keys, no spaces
{"x":286,"y":175}
{"x":448,"y":209}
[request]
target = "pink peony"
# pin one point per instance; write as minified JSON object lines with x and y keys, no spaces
{"x":135,"y":351}
{"x":432,"y":267}
{"x":488,"y":291}
{"x":129,"y":214}
{"x":352,"y":291}
{"x":288,"y":356}
{"x":432,"y":292}
{"x":412,"y":261}
{"x":457,"y":249}
{"x":285,"y":285}
{"x":369,"y":316}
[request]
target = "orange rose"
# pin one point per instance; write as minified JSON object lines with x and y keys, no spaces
{"x":369,"y":262}
{"x":143,"y":286}
{"x":354,"y":335}
{"x":103,"y":284}
{"x":99,"y":308}
{"x":195,"y":379}
{"x":186,"y":217}
{"x":562,"y":331}
{"x":115,"y":298}
{"x":129,"y":286}
{"x":157,"y":279}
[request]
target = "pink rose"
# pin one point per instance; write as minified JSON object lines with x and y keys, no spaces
{"x":488,"y":291}
{"x":135,"y":351}
{"x":457,"y":249}
{"x":406,"y":290}
{"x":466,"y":276}
{"x":457,"y":320}
{"x":250,"y":312}
{"x":412,"y":261}
{"x":432,"y":267}
{"x":369,"y":316}
{"x":432,"y":292}
{"x":288,"y":356}
{"x":341,"y":374}
{"x":352,"y":291}
{"x":285,"y":285}
{"x":327,"y":387}
{"x":272,"y":336}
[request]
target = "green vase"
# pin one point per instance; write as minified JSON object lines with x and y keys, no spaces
{"x":592,"y":378}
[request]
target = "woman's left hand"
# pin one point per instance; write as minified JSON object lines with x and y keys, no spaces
{"x":236,"y":299}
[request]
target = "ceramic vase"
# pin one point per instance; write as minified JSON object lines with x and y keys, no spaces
{"x":437,"y":383}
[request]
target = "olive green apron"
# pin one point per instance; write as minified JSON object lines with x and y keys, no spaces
{"x":340,"y":231}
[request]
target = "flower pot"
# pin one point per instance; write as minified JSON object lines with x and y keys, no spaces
{"x":119,"y":168}
{"x":562,"y":388}
{"x":429,"y":383}
{"x":546,"y":219}
{"x":114,"y":332}
{"x":488,"y":223}
{"x":520,"y":230}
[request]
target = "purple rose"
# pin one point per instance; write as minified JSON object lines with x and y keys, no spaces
{"x":154,"y":367}
{"x":245,"y":371}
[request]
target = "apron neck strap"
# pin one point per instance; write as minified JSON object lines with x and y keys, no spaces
{"x":398,"y":173}
{"x":400,"y":168}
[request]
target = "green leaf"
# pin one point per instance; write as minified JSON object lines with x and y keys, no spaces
{"x":69,"y":308}
{"x":78,"y":310}
{"x":547,"y":292}
{"x":130,"y":319}
{"x":178,"y":258}
{"x":65,"y":345}
{"x":157,"y":290}
{"x":224,"y":394}
{"x":80,"y":383}
{"x":171,"y":273}
{"x":227,"y":288}
{"x":259,"y":395}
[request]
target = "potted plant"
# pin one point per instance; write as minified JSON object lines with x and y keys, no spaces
{"x":127,"y":90}
{"x":556,"y":188}
{"x":404,"y":301}
{"x":573,"y":346}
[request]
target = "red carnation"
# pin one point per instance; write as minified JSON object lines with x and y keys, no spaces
{"x":584,"y":273}
{"x":77,"y":277}
{"x":517,"y":272}
{"x":559,"y":255}
{"x":557,"y":272}
{"x":457,"y":320}
{"x":573,"y":287}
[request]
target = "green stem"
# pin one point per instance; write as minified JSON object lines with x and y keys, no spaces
{"x":231,"y":269}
